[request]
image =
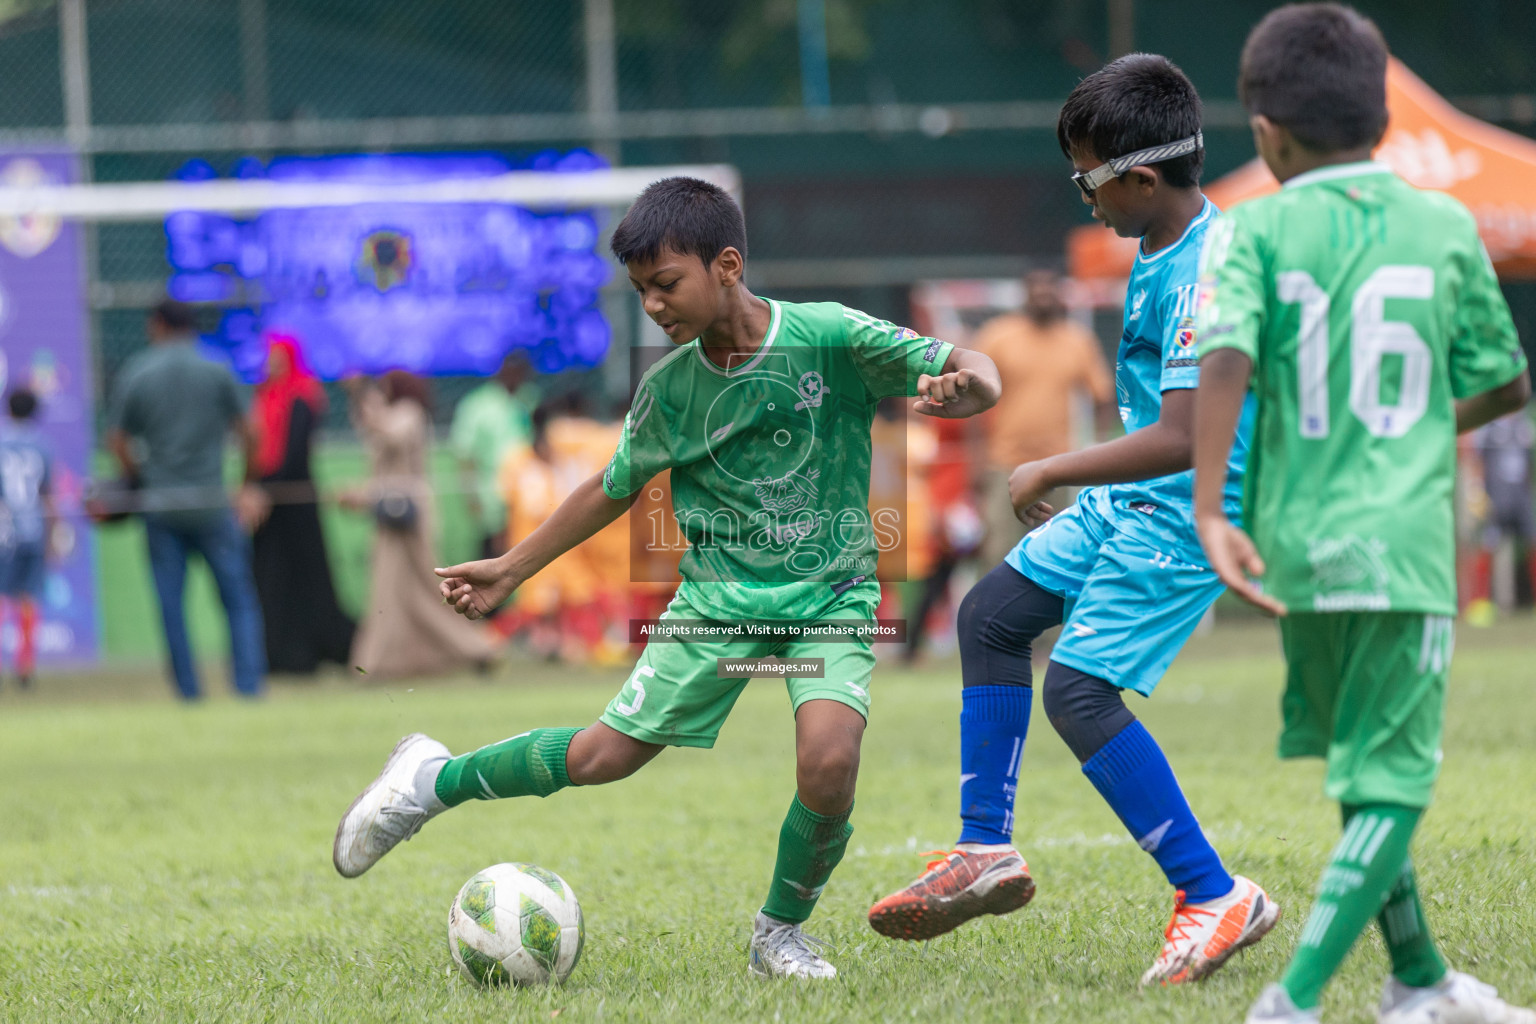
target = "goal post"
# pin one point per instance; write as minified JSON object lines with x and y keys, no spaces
{"x":154,"y":200}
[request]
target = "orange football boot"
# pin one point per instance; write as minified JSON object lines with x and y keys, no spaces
{"x":957,"y":886}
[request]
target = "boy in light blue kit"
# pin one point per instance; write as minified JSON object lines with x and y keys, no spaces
{"x":1121,"y":571}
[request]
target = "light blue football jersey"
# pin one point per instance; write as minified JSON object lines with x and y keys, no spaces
{"x":1159,"y":351}
{"x":24,"y":479}
{"x":1126,"y":557}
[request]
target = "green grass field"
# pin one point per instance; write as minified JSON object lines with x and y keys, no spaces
{"x":165,"y":863}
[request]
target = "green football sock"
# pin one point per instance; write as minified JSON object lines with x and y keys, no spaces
{"x":810,"y":846}
{"x":532,"y":764}
{"x":1364,"y":869}
{"x":1415,"y":960}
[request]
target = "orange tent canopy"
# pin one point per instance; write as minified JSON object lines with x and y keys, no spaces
{"x":1430,"y":143}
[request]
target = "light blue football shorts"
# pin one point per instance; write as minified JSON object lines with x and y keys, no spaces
{"x":1134,"y":579}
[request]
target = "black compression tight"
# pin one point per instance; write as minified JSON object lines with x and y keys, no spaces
{"x":999,"y":620}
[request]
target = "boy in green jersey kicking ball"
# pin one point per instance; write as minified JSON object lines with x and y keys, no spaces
{"x":1366,"y":319}
{"x":763,"y":414}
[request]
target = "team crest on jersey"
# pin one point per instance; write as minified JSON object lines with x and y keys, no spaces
{"x":1183,"y":353}
{"x":1184,"y":337}
{"x":812,"y":390}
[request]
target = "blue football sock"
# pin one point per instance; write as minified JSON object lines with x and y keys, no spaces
{"x":993,"y":723}
{"x":1133,"y":776}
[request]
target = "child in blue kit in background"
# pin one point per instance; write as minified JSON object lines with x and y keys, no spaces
{"x":26,"y":518}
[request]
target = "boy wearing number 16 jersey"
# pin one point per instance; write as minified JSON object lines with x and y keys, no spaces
{"x":1368,"y":320}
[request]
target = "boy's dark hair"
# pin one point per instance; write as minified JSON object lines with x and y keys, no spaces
{"x":1320,"y":71}
{"x":1135,"y":102}
{"x":177,"y":316}
{"x":686,"y":215}
{"x":23,"y":404}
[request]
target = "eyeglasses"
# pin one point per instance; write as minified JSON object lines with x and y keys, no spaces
{"x":1090,"y":181}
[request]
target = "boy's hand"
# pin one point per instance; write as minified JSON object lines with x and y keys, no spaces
{"x":475,"y":589}
{"x":1034,"y":516}
{"x":1235,"y":559}
{"x":955,"y":395}
{"x":1027,"y":485}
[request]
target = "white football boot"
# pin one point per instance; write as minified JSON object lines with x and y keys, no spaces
{"x":1458,"y":999}
{"x":1200,"y":937}
{"x":1274,"y":1006}
{"x":781,"y":950}
{"x":392,"y":809}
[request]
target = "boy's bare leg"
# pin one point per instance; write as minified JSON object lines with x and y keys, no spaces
{"x":599,"y":754}
{"x":828,"y":735}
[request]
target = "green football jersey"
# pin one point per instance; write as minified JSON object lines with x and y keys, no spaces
{"x":1368,"y":308}
{"x":770,"y":459}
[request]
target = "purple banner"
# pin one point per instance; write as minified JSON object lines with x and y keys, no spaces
{"x":439,"y":289}
{"x":45,"y":346}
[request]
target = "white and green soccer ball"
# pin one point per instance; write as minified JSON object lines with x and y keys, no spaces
{"x":515,"y":924}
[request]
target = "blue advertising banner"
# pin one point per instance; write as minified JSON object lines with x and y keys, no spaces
{"x":45,"y":347}
{"x":437,"y":289}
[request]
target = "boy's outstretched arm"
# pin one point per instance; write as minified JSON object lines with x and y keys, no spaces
{"x":475,"y":589}
{"x":1473,"y":412}
{"x":1224,"y":376}
{"x":969,"y":384}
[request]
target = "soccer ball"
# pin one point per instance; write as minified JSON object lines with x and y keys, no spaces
{"x":515,"y":924}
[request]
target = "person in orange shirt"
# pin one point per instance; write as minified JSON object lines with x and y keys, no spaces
{"x":901,"y":451}
{"x":594,"y":617}
{"x":955,"y":529}
{"x":1045,"y":361}
{"x":530,"y":488}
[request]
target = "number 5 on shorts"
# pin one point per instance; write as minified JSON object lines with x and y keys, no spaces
{"x":639,"y":690}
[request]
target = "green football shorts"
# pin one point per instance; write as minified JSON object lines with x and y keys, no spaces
{"x":1366,"y":691}
{"x":674,"y":697}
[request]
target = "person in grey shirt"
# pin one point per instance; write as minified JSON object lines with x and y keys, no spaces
{"x":171,"y":414}
{"x":1505,"y":448}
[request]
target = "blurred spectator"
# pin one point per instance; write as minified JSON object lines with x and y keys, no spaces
{"x":406,"y":630}
{"x":1045,"y":361}
{"x":1504,"y":450}
{"x":575,"y":609}
{"x":170,"y":416}
{"x":530,"y":492}
{"x":655,"y":545}
{"x":491,"y":421}
{"x":26,"y":524}
{"x":304,"y":624}
{"x":902,"y":449}
{"x":957,"y":529}
{"x":582,"y":446}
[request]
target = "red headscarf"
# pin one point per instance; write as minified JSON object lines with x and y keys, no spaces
{"x":273,"y":404}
